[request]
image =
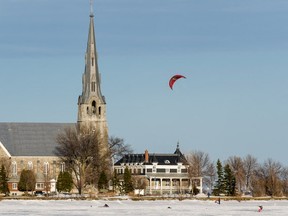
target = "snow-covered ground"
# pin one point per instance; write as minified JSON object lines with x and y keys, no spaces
{"x":138,"y":208}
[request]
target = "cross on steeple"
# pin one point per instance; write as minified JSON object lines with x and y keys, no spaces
{"x":91,"y":8}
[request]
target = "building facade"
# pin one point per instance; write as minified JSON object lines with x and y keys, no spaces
{"x":31,"y":146}
{"x":159,"y":173}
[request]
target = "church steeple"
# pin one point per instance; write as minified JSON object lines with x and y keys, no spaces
{"x":91,"y":77}
{"x":91,"y":103}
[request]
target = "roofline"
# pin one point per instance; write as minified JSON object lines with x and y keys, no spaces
{"x":36,"y":157}
{"x":5,"y":150}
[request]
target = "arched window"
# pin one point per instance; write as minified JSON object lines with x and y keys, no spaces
{"x":94,"y":107}
{"x":14,"y":168}
{"x":62,"y":167}
{"x":30,"y":165}
{"x":93,"y":86}
{"x":46,"y":168}
{"x":99,"y":110}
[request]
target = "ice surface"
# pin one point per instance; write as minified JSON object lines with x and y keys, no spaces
{"x":139,"y":208}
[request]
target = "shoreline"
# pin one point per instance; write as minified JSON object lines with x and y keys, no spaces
{"x":147,"y":198}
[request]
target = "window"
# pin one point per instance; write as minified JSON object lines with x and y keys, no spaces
{"x":99,"y":110}
{"x":14,"y":168}
{"x":38,"y":166}
{"x":46,"y":168}
{"x":30,"y":165}
{"x":160,"y":170}
{"x":54,"y":169}
{"x":21,"y":164}
{"x":92,"y":61}
{"x":39,"y":185}
{"x":93,"y":86}
{"x":184,"y":171}
{"x":14,"y":186}
{"x":173,"y":170}
{"x":93,"y":107}
{"x":62,"y":167}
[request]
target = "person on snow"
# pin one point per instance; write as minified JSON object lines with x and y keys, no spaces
{"x":260,"y":208}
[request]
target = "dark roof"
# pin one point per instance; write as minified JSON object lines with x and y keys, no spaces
{"x":160,"y":159}
{"x":31,"y":139}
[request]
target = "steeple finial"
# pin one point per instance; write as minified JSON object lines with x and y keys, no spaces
{"x":91,"y":8}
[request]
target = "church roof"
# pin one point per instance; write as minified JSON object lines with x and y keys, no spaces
{"x":31,"y":139}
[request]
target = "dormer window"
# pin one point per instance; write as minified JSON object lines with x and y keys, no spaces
{"x":167,"y":162}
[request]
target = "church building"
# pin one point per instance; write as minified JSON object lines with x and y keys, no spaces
{"x":31,"y":146}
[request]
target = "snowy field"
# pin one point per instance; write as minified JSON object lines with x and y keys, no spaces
{"x":147,"y":208}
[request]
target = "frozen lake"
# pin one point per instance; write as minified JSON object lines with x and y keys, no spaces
{"x":145,"y":208}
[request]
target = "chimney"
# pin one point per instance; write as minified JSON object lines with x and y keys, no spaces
{"x":146,"y":156}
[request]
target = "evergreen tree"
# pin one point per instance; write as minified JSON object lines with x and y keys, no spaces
{"x":4,"y":181}
{"x":229,"y":181}
{"x":219,"y":187}
{"x":115,"y":181}
{"x":64,"y":182}
{"x":27,"y":181}
{"x":127,"y":184}
{"x":59,"y":183}
{"x":102,"y":183}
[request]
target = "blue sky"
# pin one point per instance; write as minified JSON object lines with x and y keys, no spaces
{"x":233,"y":53}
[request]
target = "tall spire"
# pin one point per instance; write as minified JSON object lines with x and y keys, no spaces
{"x":91,"y":76}
{"x":91,"y":103}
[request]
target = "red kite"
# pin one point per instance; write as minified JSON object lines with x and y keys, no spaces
{"x":174,"y":79}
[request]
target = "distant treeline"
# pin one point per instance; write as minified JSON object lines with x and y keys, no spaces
{"x":239,"y":176}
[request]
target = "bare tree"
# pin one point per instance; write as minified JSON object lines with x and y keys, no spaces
{"x":272,"y":171}
{"x":257,"y":182}
{"x":284,"y":179}
{"x":201,"y":166}
{"x":80,"y":153}
{"x":236,"y":165}
{"x":198,"y":162}
{"x":249,"y":165}
{"x":118,"y":148}
{"x":210,"y":176}
{"x":267,"y":179}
